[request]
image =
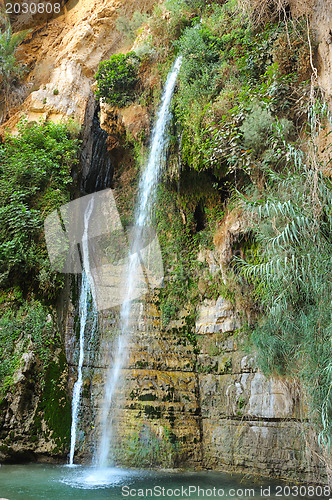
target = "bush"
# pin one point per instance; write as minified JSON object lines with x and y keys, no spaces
{"x":31,"y":323}
{"x":256,"y":128}
{"x":10,"y":70}
{"x":292,"y":278}
{"x":35,"y":176}
{"x":117,"y":79}
{"x":199,"y":72}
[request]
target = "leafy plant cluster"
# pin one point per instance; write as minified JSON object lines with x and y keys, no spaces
{"x":231,"y":125}
{"x":179,"y":256}
{"x":117,"y":79}
{"x":29,"y":328}
{"x":10,"y":69}
{"x":35,"y":178}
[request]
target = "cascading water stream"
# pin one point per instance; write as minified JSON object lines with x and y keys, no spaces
{"x":87,"y":291}
{"x":147,"y":190}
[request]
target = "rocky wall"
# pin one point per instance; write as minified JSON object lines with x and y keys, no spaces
{"x":249,"y":423}
{"x":155,"y":415}
{"x":203,"y":406}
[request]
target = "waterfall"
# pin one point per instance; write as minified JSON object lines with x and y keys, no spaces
{"x":147,"y":190}
{"x":87,"y":294}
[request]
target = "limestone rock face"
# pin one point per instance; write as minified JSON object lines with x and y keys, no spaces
{"x":319,"y":13}
{"x":321,"y":23}
{"x":133,"y":120}
{"x":64,"y":52}
{"x":249,"y":422}
{"x":156,"y":413}
{"x":203,"y":406}
{"x":32,"y":412}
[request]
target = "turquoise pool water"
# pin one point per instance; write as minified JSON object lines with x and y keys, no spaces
{"x":56,"y":482}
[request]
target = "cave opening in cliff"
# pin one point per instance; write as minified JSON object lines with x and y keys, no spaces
{"x":199,"y":217}
{"x":100,"y":168}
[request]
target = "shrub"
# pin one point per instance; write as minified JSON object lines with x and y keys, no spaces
{"x":35,"y":175}
{"x":292,"y":278}
{"x":199,"y":72}
{"x":117,"y":79}
{"x":31,"y":323}
{"x":129,"y":27}
{"x":256,"y":127}
{"x":10,"y":70}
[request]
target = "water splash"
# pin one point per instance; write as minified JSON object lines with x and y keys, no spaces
{"x":147,"y":191}
{"x":87,"y":295}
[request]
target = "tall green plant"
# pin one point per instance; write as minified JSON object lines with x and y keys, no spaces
{"x":292,"y":277}
{"x":35,"y":176}
{"x":10,"y":69}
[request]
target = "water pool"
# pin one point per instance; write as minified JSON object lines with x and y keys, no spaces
{"x":56,"y":482}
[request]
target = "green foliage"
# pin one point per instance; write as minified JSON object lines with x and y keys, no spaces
{"x":199,"y":71}
{"x":292,"y":278}
{"x":129,"y":27}
{"x":209,"y":48}
{"x":30,"y":324}
{"x":10,"y":69}
{"x":248,"y":135}
{"x":54,"y":407}
{"x":117,"y":79}
{"x":178,"y":256}
{"x":35,"y":175}
{"x":235,"y":85}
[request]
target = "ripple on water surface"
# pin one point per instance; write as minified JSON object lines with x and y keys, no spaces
{"x":94,"y":478}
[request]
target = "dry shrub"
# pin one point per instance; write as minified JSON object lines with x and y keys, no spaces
{"x":292,"y":51}
{"x":301,"y":7}
{"x":263,"y":11}
{"x":231,"y":230}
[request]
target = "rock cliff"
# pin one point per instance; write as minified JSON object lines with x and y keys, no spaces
{"x":200,"y":407}
{"x":203,"y":405}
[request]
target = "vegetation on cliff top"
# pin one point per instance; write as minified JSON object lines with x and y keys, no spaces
{"x":117,"y":79}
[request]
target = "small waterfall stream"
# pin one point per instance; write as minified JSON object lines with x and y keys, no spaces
{"x":147,"y":190}
{"x":87,"y":300}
